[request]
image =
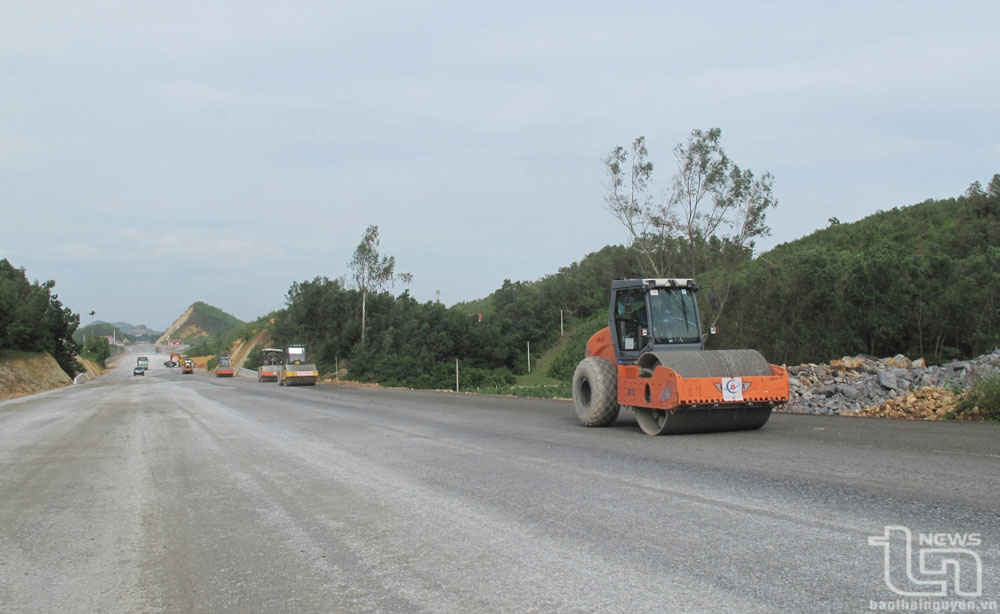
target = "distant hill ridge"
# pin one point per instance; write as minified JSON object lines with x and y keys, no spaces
{"x":200,"y":321}
{"x":104,"y":329}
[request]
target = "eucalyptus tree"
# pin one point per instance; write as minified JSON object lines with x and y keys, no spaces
{"x":713,"y":207}
{"x":372,"y":272}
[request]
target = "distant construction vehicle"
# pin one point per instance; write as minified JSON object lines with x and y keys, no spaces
{"x":268,"y":371}
{"x":224,"y":369}
{"x":652,"y":358}
{"x":295,"y":371}
{"x":188,"y":367}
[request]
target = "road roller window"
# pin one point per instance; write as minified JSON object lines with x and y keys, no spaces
{"x":296,"y":355}
{"x":631,"y":320}
{"x":675,"y":318}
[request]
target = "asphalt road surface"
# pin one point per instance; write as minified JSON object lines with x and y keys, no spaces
{"x":187,"y":493}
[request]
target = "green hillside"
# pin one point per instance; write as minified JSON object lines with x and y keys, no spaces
{"x":201,"y":322}
{"x":212,"y":320}
{"x":923,"y":281}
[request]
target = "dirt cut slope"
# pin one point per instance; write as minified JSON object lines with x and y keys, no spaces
{"x":241,"y":349}
{"x":172,"y":331}
{"x":24,"y":373}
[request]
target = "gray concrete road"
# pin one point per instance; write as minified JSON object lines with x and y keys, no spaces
{"x":187,"y":493}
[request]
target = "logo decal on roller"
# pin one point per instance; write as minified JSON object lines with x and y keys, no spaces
{"x":732,"y":388}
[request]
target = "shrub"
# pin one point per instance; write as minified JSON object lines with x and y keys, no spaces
{"x":984,"y":396}
{"x":97,"y":349}
{"x":472,"y":377}
{"x":565,"y":363}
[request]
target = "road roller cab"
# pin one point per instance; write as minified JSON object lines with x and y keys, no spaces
{"x":268,"y":370}
{"x":652,"y":358}
{"x":295,"y":371}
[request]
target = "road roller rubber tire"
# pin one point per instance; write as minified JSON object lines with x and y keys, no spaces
{"x":595,"y":392}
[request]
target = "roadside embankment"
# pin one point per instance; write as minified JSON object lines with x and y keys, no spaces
{"x":24,"y":373}
{"x":90,"y":369}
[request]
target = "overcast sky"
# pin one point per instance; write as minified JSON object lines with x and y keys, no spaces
{"x":156,"y":154}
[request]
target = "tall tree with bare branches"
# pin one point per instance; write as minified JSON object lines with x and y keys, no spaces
{"x":711,"y":201}
{"x":371,"y":271}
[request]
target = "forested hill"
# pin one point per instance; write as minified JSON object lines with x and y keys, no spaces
{"x":201,"y":321}
{"x":922,"y":280}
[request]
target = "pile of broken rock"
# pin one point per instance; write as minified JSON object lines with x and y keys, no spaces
{"x":889,"y":387}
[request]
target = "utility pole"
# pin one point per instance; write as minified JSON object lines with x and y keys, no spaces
{"x":529,"y":357}
{"x":456,"y":375}
{"x":561,"y":331}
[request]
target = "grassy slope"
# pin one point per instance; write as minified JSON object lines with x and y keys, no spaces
{"x":539,"y":368}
